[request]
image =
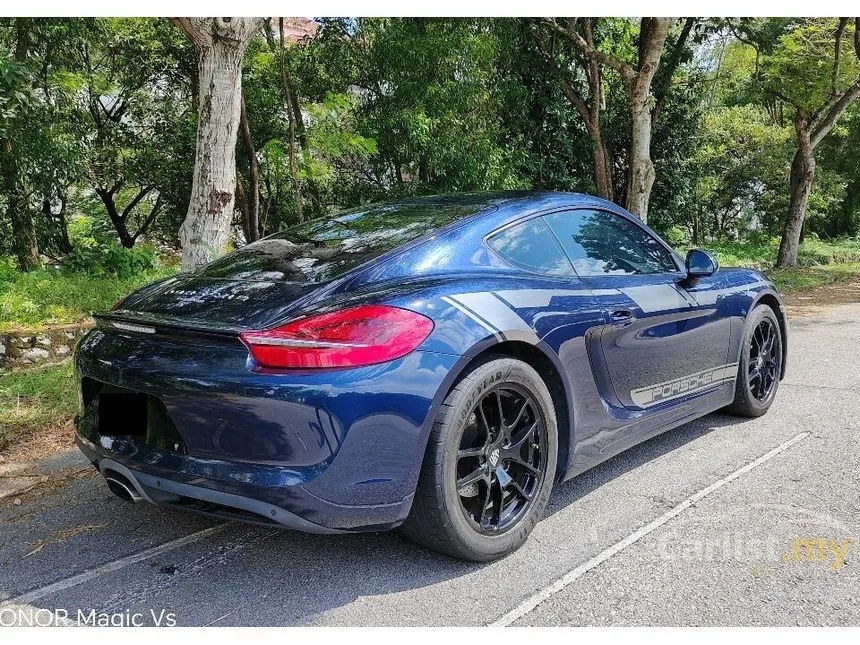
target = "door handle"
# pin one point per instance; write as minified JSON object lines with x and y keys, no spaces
{"x":622,"y":317}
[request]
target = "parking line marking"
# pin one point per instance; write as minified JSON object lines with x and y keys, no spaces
{"x":90,"y":574}
{"x":544,"y":594}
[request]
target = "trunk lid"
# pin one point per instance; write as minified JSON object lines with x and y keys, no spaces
{"x":211,"y":304}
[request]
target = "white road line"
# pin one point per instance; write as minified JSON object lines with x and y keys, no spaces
{"x":86,"y":576}
{"x":544,"y":594}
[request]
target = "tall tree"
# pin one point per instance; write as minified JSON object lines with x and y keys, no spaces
{"x":586,"y":98}
{"x":220,"y":45}
{"x":294,"y":119}
{"x":818,"y":102}
{"x":134,"y":97}
{"x":15,"y":97}
{"x":250,"y":200}
{"x":637,"y":77}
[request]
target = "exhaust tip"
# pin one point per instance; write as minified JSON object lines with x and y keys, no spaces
{"x":121,"y":487}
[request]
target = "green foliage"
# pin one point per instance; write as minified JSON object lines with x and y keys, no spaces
{"x":741,"y":163}
{"x":395,"y":107}
{"x":792,"y":279}
{"x":15,"y":96}
{"x":135,"y":106}
{"x":331,"y":132}
{"x":95,"y":250}
{"x":760,"y":252}
{"x":549,"y":146}
{"x":677,"y":237}
{"x":800,"y":67}
{"x":838,"y":178}
{"x":747,"y":141}
{"x":427,"y":96}
{"x":819,"y":262}
{"x":55,"y":296}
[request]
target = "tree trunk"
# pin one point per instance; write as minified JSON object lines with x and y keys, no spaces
{"x":17,"y":205}
{"x":602,"y":169}
{"x":802,"y":172}
{"x":637,"y":81}
{"x":252,"y":201}
{"x":652,"y":36}
{"x":291,"y":96}
{"x":810,"y":132}
{"x":696,"y":226}
{"x":641,"y":169}
{"x":294,"y":115}
{"x":220,"y":45}
{"x":241,"y":205}
{"x":18,"y":212}
{"x":120,"y":220}
{"x":58,"y":219}
{"x":589,"y":109}
{"x":590,"y":113}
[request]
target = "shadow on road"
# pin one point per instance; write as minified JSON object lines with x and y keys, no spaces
{"x":571,"y":490}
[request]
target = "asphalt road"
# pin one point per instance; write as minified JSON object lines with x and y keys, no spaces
{"x":695,"y":527}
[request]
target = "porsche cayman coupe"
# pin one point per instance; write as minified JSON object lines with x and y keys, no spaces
{"x":434,"y":364}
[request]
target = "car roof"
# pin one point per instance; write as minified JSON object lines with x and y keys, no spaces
{"x":496,"y":208}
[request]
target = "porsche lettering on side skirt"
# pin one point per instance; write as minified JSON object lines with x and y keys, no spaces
{"x":653,"y":394}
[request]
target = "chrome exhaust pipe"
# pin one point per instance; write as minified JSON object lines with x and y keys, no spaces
{"x":122,"y":488}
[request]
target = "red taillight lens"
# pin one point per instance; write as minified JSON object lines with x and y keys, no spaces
{"x":347,"y":338}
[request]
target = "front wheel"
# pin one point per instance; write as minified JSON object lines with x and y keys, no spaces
{"x":489,"y":466}
{"x":760,"y":364}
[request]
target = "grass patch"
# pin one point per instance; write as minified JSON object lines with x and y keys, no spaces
{"x":820,"y":262}
{"x":761,"y":254}
{"x":47,"y":296}
{"x":32,"y":399}
{"x":792,"y":279}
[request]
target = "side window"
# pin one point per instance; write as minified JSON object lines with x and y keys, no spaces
{"x":603,"y":243}
{"x":531,"y":246}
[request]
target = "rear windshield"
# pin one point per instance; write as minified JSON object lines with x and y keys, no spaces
{"x":322,"y":249}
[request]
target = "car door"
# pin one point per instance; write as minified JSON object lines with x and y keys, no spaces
{"x":661,"y":342}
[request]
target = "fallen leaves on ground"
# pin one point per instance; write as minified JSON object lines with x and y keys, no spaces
{"x":24,"y":480}
{"x":62,"y":535}
{"x":813,"y":301}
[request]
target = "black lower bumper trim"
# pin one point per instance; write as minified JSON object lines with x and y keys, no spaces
{"x":165,"y":492}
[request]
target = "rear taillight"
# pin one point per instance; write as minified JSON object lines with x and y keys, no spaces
{"x":346,"y":338}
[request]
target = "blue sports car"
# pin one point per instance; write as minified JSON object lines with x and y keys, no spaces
{"x":434,"y":364}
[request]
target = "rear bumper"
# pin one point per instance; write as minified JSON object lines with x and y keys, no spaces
{"x":250,"y":501}
{"x":207,"y":501}
{"x":327,"y":451}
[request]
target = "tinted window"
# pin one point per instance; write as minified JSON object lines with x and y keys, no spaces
{"x":601,"y":243}
{"x":324,"y":248}
{"x":531,"y":246}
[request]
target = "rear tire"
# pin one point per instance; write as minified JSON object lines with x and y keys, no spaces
{"x":487,"y":475}
{"x":760,"y":364}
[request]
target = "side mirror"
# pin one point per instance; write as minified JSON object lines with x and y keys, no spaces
{"x":700,"y":264}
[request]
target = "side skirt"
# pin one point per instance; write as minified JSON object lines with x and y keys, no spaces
{"x":632,"y":436}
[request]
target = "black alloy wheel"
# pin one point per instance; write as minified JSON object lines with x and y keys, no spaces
{"x":760,"y":364}
{"x":490,"y":463}
{"x":500,"y":459}
{"x":765,"y":354}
